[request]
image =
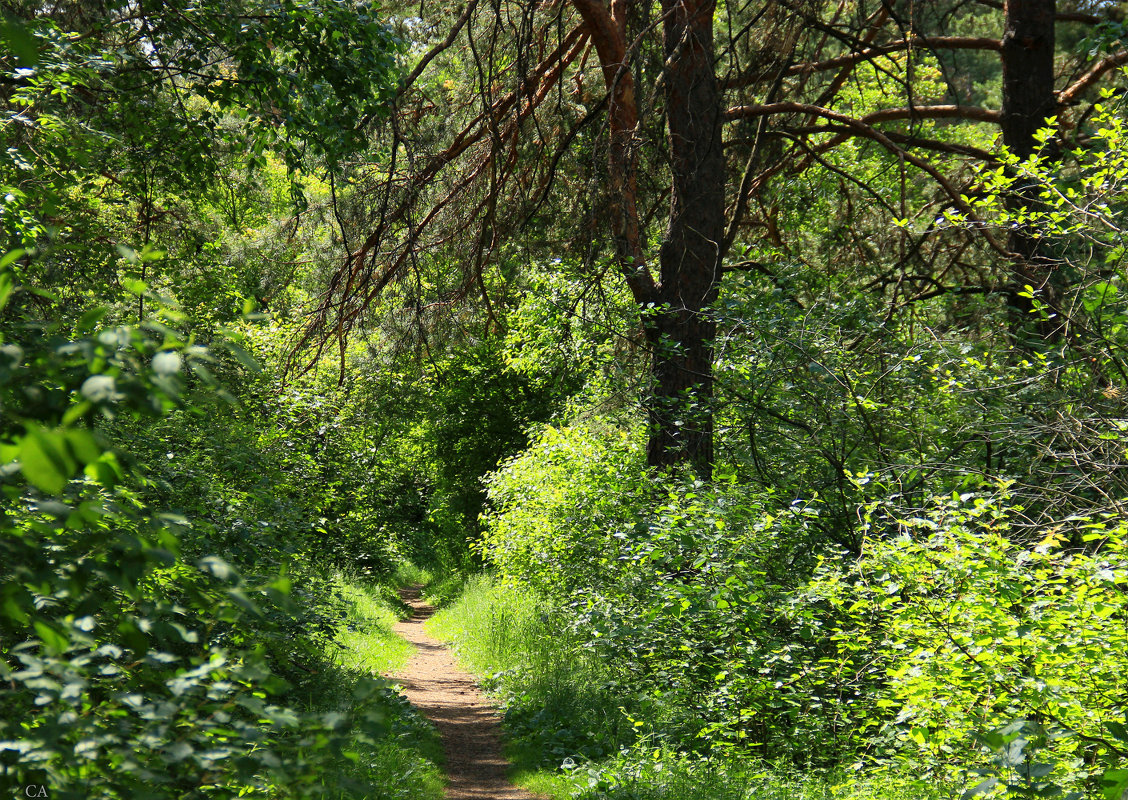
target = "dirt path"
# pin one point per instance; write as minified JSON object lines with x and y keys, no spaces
{"x":468,"y":723}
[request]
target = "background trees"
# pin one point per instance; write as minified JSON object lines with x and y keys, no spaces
{"x":699,"y":110}
{"x":859,"y":265}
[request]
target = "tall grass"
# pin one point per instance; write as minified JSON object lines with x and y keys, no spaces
{"x":364,"y":634}
{"x":574,"y":722}
{"x":560,"y":702}
{"x":402,"y":764}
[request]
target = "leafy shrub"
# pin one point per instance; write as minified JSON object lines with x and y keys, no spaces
{"x":646,"y":773}
{"x":681,"y":587}
{"x":552,"y":508}
{"x":974,"y":631}
{"x":135,"y":662}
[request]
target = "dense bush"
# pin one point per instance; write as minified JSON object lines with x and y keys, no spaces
{"x":741,"y":626}
{"x":680,"y":586}
{"x":153,"y":643}
{"x":1016,"y":648}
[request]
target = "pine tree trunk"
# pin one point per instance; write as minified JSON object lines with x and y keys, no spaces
{"x":682,"y":330}
{"x":1028,"y":100}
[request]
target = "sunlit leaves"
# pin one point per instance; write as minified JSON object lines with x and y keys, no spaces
{"x":993,"y":631}
{"x":50,"y":457}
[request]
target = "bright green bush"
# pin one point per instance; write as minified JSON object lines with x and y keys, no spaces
{"x":975,"y":632}
{"x":578,"y":731}
{"x":740,"y":629}
{"x":682,"y":588}
{"x":642,"y":773}
{"x":552,"y":508}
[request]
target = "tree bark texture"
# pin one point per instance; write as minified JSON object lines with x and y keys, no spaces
{"x":1028,"y":100}
{"x":681,"y":330}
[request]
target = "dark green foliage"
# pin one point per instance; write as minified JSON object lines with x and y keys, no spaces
{"x":164,"y":613}
{"x":195,"y":127}
{"x":139,"y":662}
{"x":308,"y":75}
{"x":480,"y":414}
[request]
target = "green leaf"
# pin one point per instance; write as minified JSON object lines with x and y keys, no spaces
{"x":105,"y":470}
{"x":151,"y":253}
{"x":83,"y":445}
{"x":51,"y":638}
{"x":1114,"y":784}
{"x":240,"y":598}
{"x":7,"y":284}
{"x":218,"y":567}
{"x":44,"y":459}
{"x":9,"y":257}
{"x":242,"y":356}
{"x":88,"y":320}
{"x":21,"y":42}
{"x":1118,"y":729}
{"x":46,"y":294}
{"x":980,"y":788}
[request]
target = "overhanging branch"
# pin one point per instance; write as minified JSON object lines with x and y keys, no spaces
{"x":885,"y":115}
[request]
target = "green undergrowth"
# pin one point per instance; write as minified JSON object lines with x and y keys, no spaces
{"x":443,"y":590}
{"x":642,"y":774}
{"x":576,"y":731}
{"x":560,"y":702}
{"x":364,"y":637}
{"x":407,"y":574}
{"x":403,"y":764}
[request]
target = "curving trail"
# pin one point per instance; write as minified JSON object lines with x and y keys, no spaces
{"x":468,"y":723}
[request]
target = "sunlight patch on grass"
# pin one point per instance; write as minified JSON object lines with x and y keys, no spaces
{"x":408,"y":574}
{"x":548,"y":783}
{"x":403,"y":764}
{"x":365,"y":633}
{"x":672,"y":777}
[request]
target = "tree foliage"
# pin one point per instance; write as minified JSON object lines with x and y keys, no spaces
{"x":770,"y":354}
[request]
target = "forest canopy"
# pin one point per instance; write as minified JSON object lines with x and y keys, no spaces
{"x":748,"y":378}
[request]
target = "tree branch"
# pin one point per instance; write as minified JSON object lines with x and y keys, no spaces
{"x":885,"y":115}
{"x":878,"y":136}
{"x":610,"y":45}
{"x":1069,"y":95}
{"x":849,"y":59}
{"x":1064,"y":16}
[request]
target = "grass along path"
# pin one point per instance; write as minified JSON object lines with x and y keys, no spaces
{"x":402,"y":764}
{"x":466,"y":720}
{"x":565,"y":706}
{"x":367,"y":643}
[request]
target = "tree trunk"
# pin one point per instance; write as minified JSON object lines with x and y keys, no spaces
{"x":682,"y":329}
{"x":1028,"y":100}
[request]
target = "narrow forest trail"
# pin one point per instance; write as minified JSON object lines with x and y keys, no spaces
{"x":467,"y":722}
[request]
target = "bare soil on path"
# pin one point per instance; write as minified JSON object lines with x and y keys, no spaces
{"x":467,"y":722}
